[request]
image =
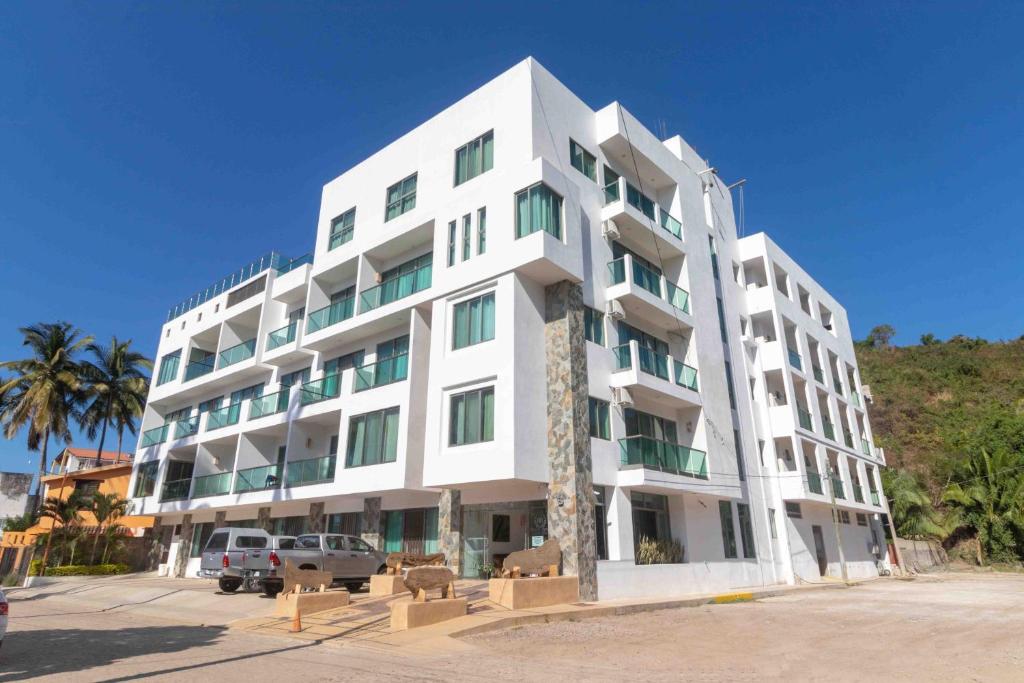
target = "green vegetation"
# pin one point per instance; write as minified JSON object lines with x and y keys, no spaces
{"x":651,"y":551}
{"x":950,"y":415}
{"x":70,"y":539}
{"x":79,"y":569}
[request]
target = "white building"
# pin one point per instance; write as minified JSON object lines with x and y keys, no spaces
{"x":522,"y":319}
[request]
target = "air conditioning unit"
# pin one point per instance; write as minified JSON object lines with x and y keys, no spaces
{"x":866,"y":390}
{"x":610,"y":230}
{"x":622,"y":397}
{"x":615,"y":310}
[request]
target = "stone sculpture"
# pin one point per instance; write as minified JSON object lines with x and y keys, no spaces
{"x":421,"y":579}
{"x":297,"y":580}
{"x":540,"y":561}
{"x":396,"y":561}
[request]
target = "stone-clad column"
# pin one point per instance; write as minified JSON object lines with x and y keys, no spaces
{"x":263,"y":520}
{"x":316,"y":518}
{"x":220,"y":519}
{"x":570,"y":489}
{"x":371,"y":522}
{"x":184,"y":547}
{"x":449,"y":528}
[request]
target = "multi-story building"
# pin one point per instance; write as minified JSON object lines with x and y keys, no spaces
{"x":523,"y":319}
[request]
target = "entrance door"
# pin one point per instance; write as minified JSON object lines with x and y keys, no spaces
{"x":412,"y":534}
{"x":819,"y":550}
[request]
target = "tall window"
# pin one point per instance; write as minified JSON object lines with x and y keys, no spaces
{"x":451,"y":243}
{"x":650,"y":517}
{"x":401,"y":197}
{"x":255,"y":391}
{"x":168,"y":367}
{"x":721,"y":320}
{"x":342,"y":229}
{"x":582,"y":160}
{"x":746,"y":530}
{"x":145,"y":479}
{"x":472,"y":417}
{"x":474,"y":158}
{"x":593,"y":325}
{"x":639,"y":423}
{"x":538,"y":208}
{"x":728,"y":385}
{"x":467,"y":236}
{"x":473,"y":321}
{"x":728,"y":531}
{"x":714,"y":256}
{"x":481,"y":230}
{"x":342,"y":363}
{"x":740,"y":467}
{"x":600,"y":421}
{"x":373,"y":438}
{"x":297,"y":377}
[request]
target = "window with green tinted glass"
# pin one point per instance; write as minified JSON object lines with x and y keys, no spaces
{"x":472,"y":417}
{"x":451,"y":243}
{"x":145,"y":479}
{"x":467,"y":236}
{"x":473,"y":321}
{"x":481,"y":230}
{"x":168,"y":367}
{"x":728,"y":531}
{"x":538,"y":208}
{"x":474,"y":158}
{"x":401,"y":197}
{"x":342,"y":229}
{"x":582,"y":160}
{"x":372,"y":438}
{"x":600,"y":421}
{"x":593,"y":325}
{"x":746,"y":530}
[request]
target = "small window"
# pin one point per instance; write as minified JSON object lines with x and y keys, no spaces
{"x":793,"y":510}
{"x":538,"y":208}
{"x":145,"y":479}
{"x":472,"y":417}
{"x":728,"y":531}
{"x":582,"y":160}
{"x":218,"y":542}
{"x":746,"y":530}
{"x":87,"y":487}
{"x":862,"y":519}
{"x":401,"y":197}
{"x":342,"y":229}
{"x":844,"y":516}
{"x":593,"y":325}
{"x":481,"y":230}
{"x":501,"y":528}
{"x":451,"y":243}
{"x":359,"y":545}
{"x":600,"y":421}
{"x":740,"y":467}
{"x":251,"y":542}
{"x":467,"y":237}
{"x":473,"y":321}
{"x":285,"y":543}
{"x":334,"y":543}
{"x":307,"y":542}
{"x":714,"y":256}
{"x":474,"y":158}
{"x":771,"y":523}
{"x":728,"y":385}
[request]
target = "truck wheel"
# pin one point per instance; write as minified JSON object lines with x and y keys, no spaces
{"x":229,"y":585}
{"x":353,"y":586}
{"x":272,"y":589}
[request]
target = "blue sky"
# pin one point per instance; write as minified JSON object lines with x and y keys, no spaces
{"x":147,"y":149}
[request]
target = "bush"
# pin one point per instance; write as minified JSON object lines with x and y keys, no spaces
{"x":658,"y":552}
{"x":79,"y":569}
{"x":10,"y":581}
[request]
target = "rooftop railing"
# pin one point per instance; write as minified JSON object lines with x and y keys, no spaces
{"x":265,"y":262}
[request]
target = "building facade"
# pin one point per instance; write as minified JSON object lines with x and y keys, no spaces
{"x":523,"y":319}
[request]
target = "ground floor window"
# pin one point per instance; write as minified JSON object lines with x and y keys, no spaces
{"x":728,"y":530}
{"x":200,"y":535}
{"x":344,"y":523}
{"x":601,"y":522}
{"x":746,"y":530}
{"x":290,"y":526}
{"x":411,"y":531}
{"x":650,"y":517}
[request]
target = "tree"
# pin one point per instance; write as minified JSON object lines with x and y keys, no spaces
{"x":45,"y":393}
{"x":929,"y":339}
{"x":106,"y":508}
{"x":880,"y":336}
{"x":913,"y":515}
{"x":63,"y":512}
{"x":988,"y":492}
{"x":21,"y":523}
{"x":113,"y":539}
{"x":116,"y":387}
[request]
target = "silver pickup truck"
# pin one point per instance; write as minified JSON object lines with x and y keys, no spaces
{"x":239,"y":556}
{"x":349,"y":559}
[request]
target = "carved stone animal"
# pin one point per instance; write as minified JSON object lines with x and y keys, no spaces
{"x":311,"y":579}
{"x":396,"y":561}
{"x":421,"y":579}
{"x":539,"y":561}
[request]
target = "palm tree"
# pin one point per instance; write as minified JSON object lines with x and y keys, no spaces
{"x":113,"y":536}
{"x":988,"y":492}
{"x":45,"y":392}
{"x":913,"y":515}
{"x":64,"y":514}
{"x":117,"y":389}
{"x":106,"y":508}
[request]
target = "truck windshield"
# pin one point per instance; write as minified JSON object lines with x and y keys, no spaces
{"x":217,"y":542}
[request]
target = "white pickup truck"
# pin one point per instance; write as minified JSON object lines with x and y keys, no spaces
{"x":240,"y":556}
{"x":349,"y":559}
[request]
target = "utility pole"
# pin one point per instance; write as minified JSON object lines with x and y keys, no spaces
{"x":833,"y":475}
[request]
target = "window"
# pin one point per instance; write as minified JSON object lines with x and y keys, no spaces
{"x":714,"y":256}
{"x":740,"y":467}
{"x":219,"y":541}
{"x":255,"y":391}
{"x":297,"y":377}
{"x":593,"y":325}
{"x":209,"y":404}
{"x":771,"y":523}
{"x":481,"y":230}
{"x":251,"y":542}
{"x":373,"y":438}
{"x":342,"y":229}
{"x":538,"y":208}
{"x":178,"y":415}
{"x":501,"y":528}
{"x":650,"y":517}
{"x":342,"y":363}
{"x":307,"y":542}
{"x":639,"y":423}
{"x":721,"y":320}
{"x":746,"y":530}
{"x":473,"y":321}
{"x":358,"y":545}
{"x":401,"y":197}
{"x":728,"y":531}
{"x":467,"y":237}
{"x":728,"y":385}
{"x":168,"y":367}
{"x":862,"y":519}
{"x":474,"y":158}
{"x":145,"y":479}
{"x":793,"y":510}
{"x":844,"y":516}
{"x":451,"y":243}
{"x":582,"y":160}
{"x":200,"y":536}
{"x":600,"y":423}
{"x":87,"y":487}
{"x":344,"y":523}
{"x":472,"y":417}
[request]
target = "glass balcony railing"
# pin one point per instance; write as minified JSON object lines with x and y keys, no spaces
{"x":269,"y":404}
{"x":830,"y":430}
{"x":398,"y":288}
{"x":794,"y":359}
{"x":280,"y":337}
{"x":678,"y":297}
{"x":837,"y":488}
{"x":237,"y":353}
{"x":805,"y":419}
{"x":198,"y":368}
{"x":874,"y":499}
{"x":342,"y":309}
{"x":663,"y":456}
{"x":818,"y":374}
{"x":858,"y":494}
{"x":652,"y":362}
{"x":865,"y":446}
{"x":645,"y":278}
{"x":223,"y":417}
{"x":187,"y":427}
{"x":623,"y":357}
{"x":848,"y":439}
{"x":611,"y":192}
{"x":320,"y":390}
{"x":385,"y":371}
{"x":814,"y":482}
{"x":175,"y":490}
{"x":294,"y":263}
{"x":670,"y":224}
{"x":312,"y":471}
{"x":639,"y":201}
{"x":258,"y":478}
{"x":855,"y":398}
{"x":649,"y":280}
{"x":212,"y":485}
{"x":685,"y":376}
{"x":617,"y":271}
{"x":152,"y":437}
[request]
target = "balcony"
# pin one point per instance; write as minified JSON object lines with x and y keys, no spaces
{"x":237,"y":353}
{"x":282,"y":336}
{"x":837,"y":488}
{"x":312,"y":471}
{"x":819,"y":376}
{"x":646,"y":295}
{"x":794,"y":359}
{"x":805,"y":419}
{"x":874,"y":499}
{"x":385,"y":371}
{"x":663,"y":456}
{"x":187,"y":427}
{"x":343,"y":309}
{"x":292,"y":264}
{"x":269,"y":404}
{"x":152,"y":437}
{"x":212,"y":485}
{"x":660,"y":376}
{"x":814,"y":482}
{"x":223,"y":417}
{"x":398,"y":288}
{"x":198,"y":368}
{"x":635,"y":214}
{"x":830,"y":430}
{"x":175,"y":490}
{"x":258,"y":478}
{"x":320,"y":390}
{"x":685,"y":376}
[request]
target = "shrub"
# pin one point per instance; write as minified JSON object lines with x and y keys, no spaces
{"x":10,"y":580}
{"x":651,"y":551}
{"x":79,"y":569}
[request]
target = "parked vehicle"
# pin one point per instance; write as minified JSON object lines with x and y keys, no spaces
{"x":349,"y":559}
{"x":3,"y":616}
{"x":239,"y":556}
